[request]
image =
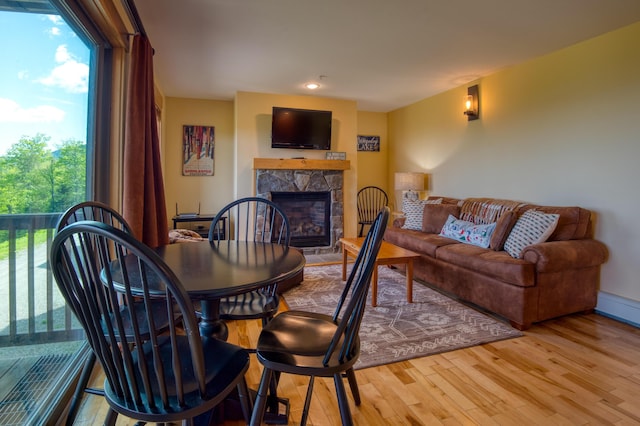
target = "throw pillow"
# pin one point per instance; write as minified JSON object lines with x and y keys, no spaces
{"x":531,"y":228}
{"x":504,"y":225}
{"x":412,"y":210}
{"x":468,"y":232}
{"x":435,"y":215}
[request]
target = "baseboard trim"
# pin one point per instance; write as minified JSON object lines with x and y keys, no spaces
{"x":619,"y":308}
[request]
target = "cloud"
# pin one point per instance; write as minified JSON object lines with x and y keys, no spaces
{"x":11,"y":111}
{"x":70,"y":75}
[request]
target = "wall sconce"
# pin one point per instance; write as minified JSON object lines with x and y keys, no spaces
{"x":409,"y":183}
{"x":472,"y":103}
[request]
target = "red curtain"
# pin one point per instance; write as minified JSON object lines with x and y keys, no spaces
{"x":144,"y":203}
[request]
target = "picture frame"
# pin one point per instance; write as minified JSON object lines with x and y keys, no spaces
{"x":368,"y":143}
{"x":198,"y":150}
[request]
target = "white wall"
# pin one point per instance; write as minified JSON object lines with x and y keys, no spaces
{"x":563,"y":129}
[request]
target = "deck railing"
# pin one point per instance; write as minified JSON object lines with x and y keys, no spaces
{"x":32,"y":310}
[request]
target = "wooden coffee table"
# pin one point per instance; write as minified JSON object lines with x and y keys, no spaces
{"x":389,"y":254}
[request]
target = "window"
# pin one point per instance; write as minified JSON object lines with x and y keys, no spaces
{"x":54,"y":81}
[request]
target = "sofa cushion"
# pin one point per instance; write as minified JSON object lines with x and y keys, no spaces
{"x":531,"y":228}
{"x":468,"y":232}
{"x":418,"y":241}
{"x":434,"y":216}
{"x":486,"y":210}
{"x":503,"y":228}
{"x":413,"y":211}
{"x":574,"y":222}
{"x":495,"y":264}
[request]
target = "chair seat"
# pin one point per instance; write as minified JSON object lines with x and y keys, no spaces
{"x":159,"y":310}
{"x":296,"y":342}
{"x":231,"y":362}
{"x":251,"y":305}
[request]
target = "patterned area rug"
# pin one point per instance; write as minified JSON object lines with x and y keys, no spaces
{"x":396,"y":330}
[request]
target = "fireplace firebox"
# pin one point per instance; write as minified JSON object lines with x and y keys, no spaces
{"x":309,"y":216}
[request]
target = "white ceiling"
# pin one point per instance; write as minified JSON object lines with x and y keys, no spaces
{"x":384,"y":54}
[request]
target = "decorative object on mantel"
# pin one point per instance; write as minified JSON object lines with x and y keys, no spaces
{"x":396,"y":330}
{"x":368,"y":143}
{"x":335,"y":155}
{"x":198,"y":143}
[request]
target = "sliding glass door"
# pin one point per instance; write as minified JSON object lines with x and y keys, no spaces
{"x":50,"y":97}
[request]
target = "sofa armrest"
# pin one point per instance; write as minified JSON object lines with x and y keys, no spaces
{"x":552,"y":256}
{"x":399,"y":221}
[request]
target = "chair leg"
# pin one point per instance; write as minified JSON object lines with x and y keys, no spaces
{"x":343,"y":402}
{"x":245,"y":400}
{"x":353,"y":384}
{"x":361,"y":229}
{"x":110,"y":418}
{"x":261,"y":401}
{"x":85,"y":375}
{"x":307,"y":402}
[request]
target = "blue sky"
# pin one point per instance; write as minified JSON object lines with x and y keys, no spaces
{"x":44,"y":75}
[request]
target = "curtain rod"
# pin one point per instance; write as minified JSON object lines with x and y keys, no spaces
{"x":130,"y":6}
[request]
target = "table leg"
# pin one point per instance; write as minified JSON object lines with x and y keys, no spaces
{"x":211,"y":325}
{"x":344,"y":263}
{"x":410,"y":281}
{"x":374,"y":285}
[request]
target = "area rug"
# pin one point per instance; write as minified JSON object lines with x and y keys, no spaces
{"x":396,"y":330}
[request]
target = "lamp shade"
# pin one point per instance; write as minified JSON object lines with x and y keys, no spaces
{"x":409,"y":181}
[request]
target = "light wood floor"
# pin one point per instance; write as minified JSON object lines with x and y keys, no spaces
{"x":577,"y":370}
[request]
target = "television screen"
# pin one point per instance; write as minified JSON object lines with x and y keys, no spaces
{"x":300,"y":129}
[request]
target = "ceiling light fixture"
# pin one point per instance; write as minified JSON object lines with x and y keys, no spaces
{"x":312,"y":86}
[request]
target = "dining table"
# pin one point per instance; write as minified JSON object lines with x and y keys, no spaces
{"x":213,"y":270}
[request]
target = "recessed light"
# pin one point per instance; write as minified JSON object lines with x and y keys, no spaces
{"x":312,"y":86}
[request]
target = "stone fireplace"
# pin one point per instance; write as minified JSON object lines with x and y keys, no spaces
{"x":311,"y":193}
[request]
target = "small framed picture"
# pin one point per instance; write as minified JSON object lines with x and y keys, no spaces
{"x":368,"y":143}
{"x":335,"y":155}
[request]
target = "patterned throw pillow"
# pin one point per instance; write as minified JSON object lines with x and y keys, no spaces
{"x":531,"y":228}
{"x":468,"y":232}
{"x":412,"y":210}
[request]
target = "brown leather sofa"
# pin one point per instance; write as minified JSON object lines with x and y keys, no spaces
{"x":557,"y":277}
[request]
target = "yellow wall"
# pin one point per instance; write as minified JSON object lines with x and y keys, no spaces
{"x":213,"y":192}
{"x":253,"y":140}
{"x":372,"y":166}
{"x":562,"y":129}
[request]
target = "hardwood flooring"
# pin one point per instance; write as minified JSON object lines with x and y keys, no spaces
{"x":576,"y":370}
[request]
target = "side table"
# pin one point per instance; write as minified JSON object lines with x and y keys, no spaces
{"x":200,"y":223}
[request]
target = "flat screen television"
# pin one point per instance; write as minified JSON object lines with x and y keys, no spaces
{"x":300,"y":128}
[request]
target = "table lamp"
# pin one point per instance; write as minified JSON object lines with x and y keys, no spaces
{"x":409,"y":183}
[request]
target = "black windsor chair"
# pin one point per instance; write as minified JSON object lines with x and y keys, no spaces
{"x":313,"y":344}
{"x":89,"y":210}
{"x":370,"y":200}
{"x":160,"y":375}
{"x":256,"y":219}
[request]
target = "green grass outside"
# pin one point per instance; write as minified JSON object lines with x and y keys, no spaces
{"x":22,"y":243}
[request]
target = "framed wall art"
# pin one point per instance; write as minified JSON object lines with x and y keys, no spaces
{"x":368,"y":143}
{"x":198,"y":144}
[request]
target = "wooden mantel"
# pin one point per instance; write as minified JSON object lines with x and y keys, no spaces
{"x":299,"y":164}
